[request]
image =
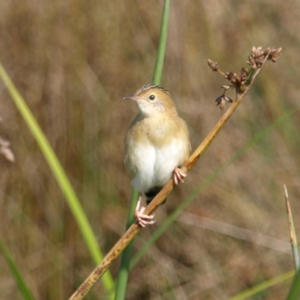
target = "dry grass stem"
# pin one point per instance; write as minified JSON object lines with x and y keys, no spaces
{"x":293,"y":237}
{"x":242,"y":86}
{"x":290,"y":218}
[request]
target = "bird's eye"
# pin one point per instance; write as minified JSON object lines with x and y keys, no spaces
{"x":152,"y":97}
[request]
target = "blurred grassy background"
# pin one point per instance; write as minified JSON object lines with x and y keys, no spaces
{"x":73,"y":62}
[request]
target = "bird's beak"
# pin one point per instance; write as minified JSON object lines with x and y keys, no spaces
{"x":132,"y":97}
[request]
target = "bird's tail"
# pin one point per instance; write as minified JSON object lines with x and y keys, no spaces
{"x":150,"y":195}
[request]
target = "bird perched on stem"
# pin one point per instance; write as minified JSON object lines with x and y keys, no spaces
{"x":156,"y":145}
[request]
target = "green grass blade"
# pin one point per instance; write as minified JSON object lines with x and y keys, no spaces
{"x":263,"y":286}
{"x":293,"y":236}
{"x":25,"y":291}
{"x":294,"y":293}
{"x":161,"y":51}
{"x":122,"y":281}
{"x":59,"y":175}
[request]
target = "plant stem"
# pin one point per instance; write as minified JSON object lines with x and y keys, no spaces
{"x":122,"y":280}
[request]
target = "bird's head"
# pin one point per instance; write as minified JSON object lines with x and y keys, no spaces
{"x":153,"y":99}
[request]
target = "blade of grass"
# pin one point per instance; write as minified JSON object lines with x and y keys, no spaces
{"x":263,"y":286}
{"x":294,"y":293}
{"x":161,"y":51}
{"x":25,"y":291}
{"x":293,"y":236}
{"x":122,"y":281}
{"x":60,"y":176}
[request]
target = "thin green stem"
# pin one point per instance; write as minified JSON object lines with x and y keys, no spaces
{"x":161,"y":51}
{"x":263,"y":286}
{"x":294,"y":293}
{"x":122,"y":280}
{"x":25,"y":291}
{"x":293,"y":236}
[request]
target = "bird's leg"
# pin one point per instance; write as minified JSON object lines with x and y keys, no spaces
{"x":143,"y":219}
{"x":178,"y":176}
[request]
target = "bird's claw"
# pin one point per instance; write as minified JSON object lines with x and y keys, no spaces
{"x":143,"y":219}
{"x":178,"y":176}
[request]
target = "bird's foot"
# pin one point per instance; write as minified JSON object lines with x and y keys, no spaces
{"x":178,"y":176}
{"x":143,"y":219}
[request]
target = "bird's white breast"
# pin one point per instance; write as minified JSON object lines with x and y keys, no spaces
{"x":154,"y":165}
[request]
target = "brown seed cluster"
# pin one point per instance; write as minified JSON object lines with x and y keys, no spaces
{"x":239,"y":82}
{"x":213,"y":65}
{"x":258,"y":55}
{"x":5,"y":150}
{"x":274,"y":54}
{"x":222,"y":100}
{"x":5,"y":146}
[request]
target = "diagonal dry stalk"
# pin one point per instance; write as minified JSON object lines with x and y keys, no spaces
{"x":159,"y":199}
{"x":293,"y":236}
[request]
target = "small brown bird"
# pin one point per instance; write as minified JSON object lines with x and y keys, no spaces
{"x":156,"y":145}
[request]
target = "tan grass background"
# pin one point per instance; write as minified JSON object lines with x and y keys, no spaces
{"x":73,"y":62}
